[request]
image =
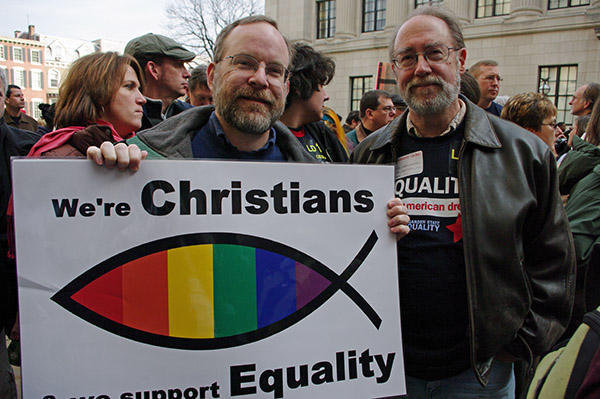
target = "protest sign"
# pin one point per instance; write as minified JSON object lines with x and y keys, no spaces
{"x":205,"y":279}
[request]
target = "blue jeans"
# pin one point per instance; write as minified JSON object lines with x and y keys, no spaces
{"x":465,"y":385}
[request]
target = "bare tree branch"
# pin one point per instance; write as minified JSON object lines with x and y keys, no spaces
{"x":196,"y":23}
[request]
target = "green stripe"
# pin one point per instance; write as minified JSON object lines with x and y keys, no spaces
{"x":234,"y":273}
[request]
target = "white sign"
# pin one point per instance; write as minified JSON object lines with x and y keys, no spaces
{"x":200,"y":279}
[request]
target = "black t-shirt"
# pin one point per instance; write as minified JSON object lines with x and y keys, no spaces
{"x":433,"y":296}
{"x":310,"y":144}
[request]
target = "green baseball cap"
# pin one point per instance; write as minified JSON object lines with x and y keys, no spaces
{"x":157,"y":45}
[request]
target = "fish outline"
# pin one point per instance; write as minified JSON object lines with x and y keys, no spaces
{"x":338,"y":282}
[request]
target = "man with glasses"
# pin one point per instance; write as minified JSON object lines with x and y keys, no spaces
{"x":488,"y":76}
{"x":376,"y":111}
{"x":249,"y":81}
{"x":485,"y":255}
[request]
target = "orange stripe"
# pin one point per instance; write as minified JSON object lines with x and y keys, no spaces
{"x":145,"y":294}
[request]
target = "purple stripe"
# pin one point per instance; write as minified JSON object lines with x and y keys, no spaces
{"x":309,"y":284}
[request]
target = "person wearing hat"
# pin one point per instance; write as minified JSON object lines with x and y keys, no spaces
{"x":163,"y":62}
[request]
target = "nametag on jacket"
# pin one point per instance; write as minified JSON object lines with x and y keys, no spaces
{"x":409,"y":164}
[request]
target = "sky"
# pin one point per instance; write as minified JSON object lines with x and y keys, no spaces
{"x":119,"y":20}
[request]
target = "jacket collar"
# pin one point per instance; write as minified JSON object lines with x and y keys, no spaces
{"x":478,"y":129}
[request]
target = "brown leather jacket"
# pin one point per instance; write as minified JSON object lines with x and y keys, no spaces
{"x":518,"y":248}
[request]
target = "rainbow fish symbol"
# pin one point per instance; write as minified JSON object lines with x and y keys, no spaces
{"x":208,"y":290}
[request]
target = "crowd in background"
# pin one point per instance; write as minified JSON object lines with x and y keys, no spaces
{"x":108,"y":97}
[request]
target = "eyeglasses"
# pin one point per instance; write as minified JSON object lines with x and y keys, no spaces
{"x":433,"y":55}
{"x":247,"y":63}
{"x":388,"y":109}
{"x":552,"y":124}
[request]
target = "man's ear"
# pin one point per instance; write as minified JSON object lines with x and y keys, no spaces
{"x":462,"y":59}
{"x":369,"y":113}
{"x":153,"y":69}
{"x":210,"y":75}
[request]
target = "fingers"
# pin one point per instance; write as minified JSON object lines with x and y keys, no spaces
{"x":93,"y":153}
{"x":398,"y":218}
{"x":121,"y":155}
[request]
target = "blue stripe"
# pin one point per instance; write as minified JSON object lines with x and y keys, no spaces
{"x":275,"y":287}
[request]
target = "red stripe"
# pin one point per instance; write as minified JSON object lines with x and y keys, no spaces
{"x":104,"y":295}
{"x":145,"y":294}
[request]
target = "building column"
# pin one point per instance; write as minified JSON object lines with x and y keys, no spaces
{"x":346,"y":12}
{"x":460,"y":8}
{"x":395,"y":13}
{"x":526,"y":8}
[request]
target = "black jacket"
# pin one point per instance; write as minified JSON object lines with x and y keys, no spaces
{"x":334,"y":151}
{"x":13,"y":142}
{"x":153,"y":112}
{"x":519,"y":255}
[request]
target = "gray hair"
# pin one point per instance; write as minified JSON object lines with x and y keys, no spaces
{"x":438,"y":12}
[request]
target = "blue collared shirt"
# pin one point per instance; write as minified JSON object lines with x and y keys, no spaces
{"x":210,"y":142}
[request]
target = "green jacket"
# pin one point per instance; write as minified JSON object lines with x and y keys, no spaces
{"x":577,"y":164}
{"x":172,"y":138}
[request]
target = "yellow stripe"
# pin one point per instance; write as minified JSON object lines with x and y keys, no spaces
{"x":191,"y":296}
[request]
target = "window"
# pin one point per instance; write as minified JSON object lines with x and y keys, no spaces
{"x":2,"y":52}
{"x":424,"y":2}
{"x":373,"y":15}
{"x":53,"y":78}
{"x":358,"y":86}
{"x":19,"y":77}
{"x":559,"y":82}
{"x":36,"y":113}
{"x":325,"y":18}
{"x":36,"y":80}
{"x":36,"y":56}
{"x":18,"y":54}
{"x":554,"y":4}
{"x":492,"y":8}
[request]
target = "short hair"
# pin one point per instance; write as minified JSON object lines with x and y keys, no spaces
{"x":90,"y":85}
{"x":9,"y":88}
{"x":469,"y":87}
{"x":352,"y":117}
{"x":370,"y":100}
{"x":309,"y":69}
{"x":398,"y":101}
{"x":219,"y":48}
{"x":528,"y":110}
{"x":475,"y":69}
{"x":2,"y":79}
{"x":436,"y":11}
{"x":591,"y":93}
{"x":197,"y":78}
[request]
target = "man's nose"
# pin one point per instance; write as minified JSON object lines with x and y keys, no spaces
{"x":422,"y":67}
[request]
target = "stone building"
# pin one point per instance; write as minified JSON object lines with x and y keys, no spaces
{"x":550,"y":46}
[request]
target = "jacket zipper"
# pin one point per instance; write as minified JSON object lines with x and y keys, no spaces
{"x":462,"y":198}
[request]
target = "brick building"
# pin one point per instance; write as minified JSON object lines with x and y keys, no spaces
{"x":22,"y":59}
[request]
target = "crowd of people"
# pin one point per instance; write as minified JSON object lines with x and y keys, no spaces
{"x":486,"y":289}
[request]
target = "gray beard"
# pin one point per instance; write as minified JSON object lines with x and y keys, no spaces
{"x":434,"y":105}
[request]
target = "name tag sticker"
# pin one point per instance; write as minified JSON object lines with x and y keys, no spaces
{"x":409,"y":164}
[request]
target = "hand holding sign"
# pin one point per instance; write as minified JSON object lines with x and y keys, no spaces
{"x":398,"y":218}
{"x":122,"y":155}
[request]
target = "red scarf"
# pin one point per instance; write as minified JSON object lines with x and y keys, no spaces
{"x":60,"y":137}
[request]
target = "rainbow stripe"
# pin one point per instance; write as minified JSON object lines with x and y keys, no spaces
{"x":203,"y":291}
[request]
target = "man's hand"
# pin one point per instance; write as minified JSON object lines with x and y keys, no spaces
{"x":398,"y":218}
{"x":122,"y":155}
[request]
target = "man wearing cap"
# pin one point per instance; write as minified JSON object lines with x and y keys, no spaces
{"x":163,"y":61}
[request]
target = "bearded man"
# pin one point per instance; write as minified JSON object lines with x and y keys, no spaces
{"x":485,"y":260}
{"x":249,"y":81}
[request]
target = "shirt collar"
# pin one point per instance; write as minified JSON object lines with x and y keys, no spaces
{"x":458,"y":118}
{"x":218,"y":129}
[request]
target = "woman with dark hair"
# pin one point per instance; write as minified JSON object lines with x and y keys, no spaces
{"x":100,"y":100}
